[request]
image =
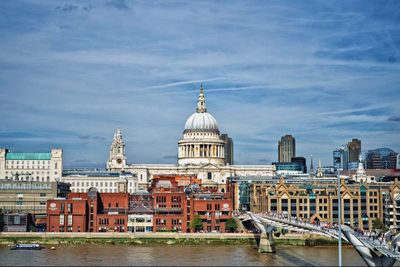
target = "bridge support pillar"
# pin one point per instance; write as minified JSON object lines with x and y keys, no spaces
{"x":267,"y":243}
{"x":370,"y":257}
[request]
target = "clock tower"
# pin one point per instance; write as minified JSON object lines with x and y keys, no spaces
{"x":117,"y":159}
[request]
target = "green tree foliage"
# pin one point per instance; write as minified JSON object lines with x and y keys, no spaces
{"x":230,"y":225}
{"x":377,"y":224}
{"x":196,"y":223}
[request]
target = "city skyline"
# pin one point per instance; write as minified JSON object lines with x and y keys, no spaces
{"x":73,"y":72}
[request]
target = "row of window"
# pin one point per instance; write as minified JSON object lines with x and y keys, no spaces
{"x":20,"y":203}
{"x":141,"y":220}
{"x":140,"y":229}
{"x":216,"y":206}
{"x":28,"y":167}
{"x":101,"y":190}
{"x":29,"y":162}
{"x":97,"y":184}
{"x":69,"y":219}
{"x":27,"y":173}
{"x":69,"y":228}
{"x":29,"y":178}
{"x":93,"y":184}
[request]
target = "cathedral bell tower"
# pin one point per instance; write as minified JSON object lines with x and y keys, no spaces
{"x":117,"y":159}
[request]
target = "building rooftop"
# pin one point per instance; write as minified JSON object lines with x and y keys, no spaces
{"x":28,"y":156}
{"x":93,"y":173}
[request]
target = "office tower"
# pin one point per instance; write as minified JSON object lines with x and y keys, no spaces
{"x":286,"y":148}
{"x":340,"y":158}
{"x":354,"y":150}
{"x":381,"y":158}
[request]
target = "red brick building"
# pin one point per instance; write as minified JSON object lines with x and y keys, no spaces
{"x":175,"y":206}
{"x":213,"y":209}
{"x":88,"y":212}
{"x":169,"y":204}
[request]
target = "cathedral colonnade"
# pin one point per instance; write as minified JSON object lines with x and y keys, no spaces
{"x":201,"y":150}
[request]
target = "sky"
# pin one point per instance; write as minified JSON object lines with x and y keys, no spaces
{"x":71,"y":72}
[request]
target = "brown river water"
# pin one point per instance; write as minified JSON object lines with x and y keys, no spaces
{"x":178,"y":255}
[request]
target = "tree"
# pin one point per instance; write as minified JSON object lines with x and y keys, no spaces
{"x":196,"y":223}
{"x":377,"y":224}
{"x":231,"y":225}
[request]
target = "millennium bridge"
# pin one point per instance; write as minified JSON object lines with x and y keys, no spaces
{"x":371,"y":250}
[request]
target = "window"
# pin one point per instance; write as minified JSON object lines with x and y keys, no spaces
{"x":17,"y":219}
{"x":209,"y":175}
{"x":62,"y":206}
{"x":69,"y":207}
{"x":62,"y":219}
{"x":69,"y":219}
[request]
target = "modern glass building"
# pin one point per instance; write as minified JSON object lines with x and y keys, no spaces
{"x":381,"y":158}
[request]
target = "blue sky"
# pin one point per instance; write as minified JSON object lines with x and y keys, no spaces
{"x":71,"y":72}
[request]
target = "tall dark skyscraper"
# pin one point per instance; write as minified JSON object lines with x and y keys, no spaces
{"x":354,"y":150}
{"x":286,"y":148}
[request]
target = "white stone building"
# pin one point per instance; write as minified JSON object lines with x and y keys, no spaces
{"x":200,"y":152}
{"x":140,"y":223}
{"x":38,"y":167}
{"x":103,"y":181}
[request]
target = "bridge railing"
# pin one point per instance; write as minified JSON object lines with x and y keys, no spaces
{"x":387,"y":240}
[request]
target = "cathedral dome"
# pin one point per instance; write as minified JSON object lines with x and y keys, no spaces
{"x":201,"y":122}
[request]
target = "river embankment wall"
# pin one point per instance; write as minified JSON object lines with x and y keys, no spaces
{"x":52,"y":238}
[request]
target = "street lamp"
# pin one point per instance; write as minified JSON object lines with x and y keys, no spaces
{"x":339,"y":222}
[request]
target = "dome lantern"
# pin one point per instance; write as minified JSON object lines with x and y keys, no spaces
{"x":201,"y":102}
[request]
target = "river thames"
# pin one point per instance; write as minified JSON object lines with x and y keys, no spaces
{"x":193,"y":255}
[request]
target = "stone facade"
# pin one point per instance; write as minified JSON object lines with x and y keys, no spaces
{"x":38,"y":167}
{"x":103,"y":181}
{"x":361,"y":203}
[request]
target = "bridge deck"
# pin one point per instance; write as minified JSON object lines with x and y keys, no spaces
{"x":292,"y":224}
